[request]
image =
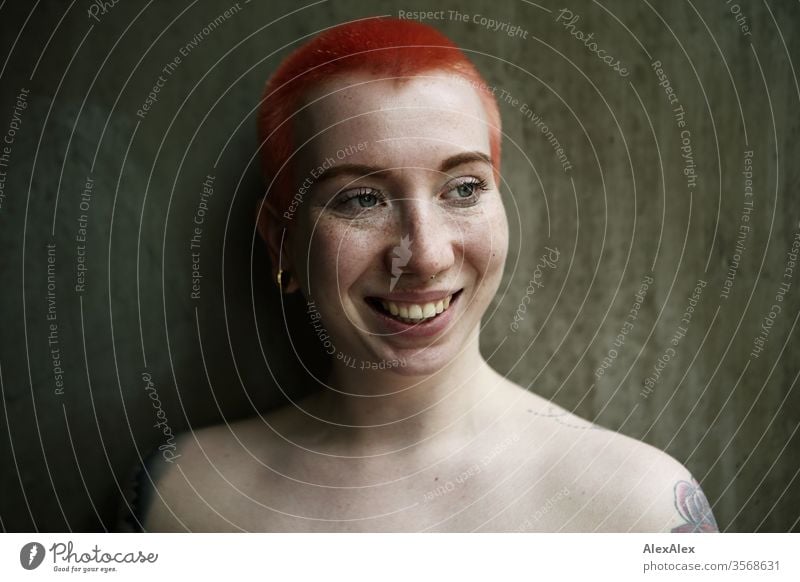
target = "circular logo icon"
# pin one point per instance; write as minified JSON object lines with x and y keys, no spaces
{"x":31,"y":555}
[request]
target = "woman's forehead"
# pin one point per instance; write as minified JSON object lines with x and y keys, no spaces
{"x":426,"y":113}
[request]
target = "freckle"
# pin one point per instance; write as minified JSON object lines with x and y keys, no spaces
{"x":436,"y":478}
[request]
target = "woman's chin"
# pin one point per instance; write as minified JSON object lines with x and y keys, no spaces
{"x":416,"y":370}
{"x":424,"y":361}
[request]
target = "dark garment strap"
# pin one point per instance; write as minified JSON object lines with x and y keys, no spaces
{"x":138,"y":493}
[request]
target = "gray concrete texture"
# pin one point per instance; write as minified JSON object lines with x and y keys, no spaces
{"x":639,"y":191}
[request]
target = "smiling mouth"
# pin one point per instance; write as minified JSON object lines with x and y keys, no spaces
{"x":412,"y":313}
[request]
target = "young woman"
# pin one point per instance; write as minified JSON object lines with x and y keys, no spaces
{"x":381,"y":146}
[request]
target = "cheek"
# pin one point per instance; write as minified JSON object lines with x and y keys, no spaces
{"x":338,"y":255}
{"x":487,"y":241}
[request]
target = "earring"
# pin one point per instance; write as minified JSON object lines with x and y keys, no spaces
{"x":280,"y":275}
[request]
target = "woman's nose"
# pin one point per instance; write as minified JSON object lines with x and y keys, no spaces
{"x":425,"y":245}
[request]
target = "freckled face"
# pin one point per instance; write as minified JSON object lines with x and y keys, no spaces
{"x":406,"y":205}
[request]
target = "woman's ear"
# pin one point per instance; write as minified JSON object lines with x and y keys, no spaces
{"x":272,"y":229}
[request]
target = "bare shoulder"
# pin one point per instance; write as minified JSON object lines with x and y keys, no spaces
{"x":641,"y":488}
{"x":188,"y":493}
{"x":616,"y":483}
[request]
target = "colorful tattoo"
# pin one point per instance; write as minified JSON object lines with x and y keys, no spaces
{"x":691,"y":503}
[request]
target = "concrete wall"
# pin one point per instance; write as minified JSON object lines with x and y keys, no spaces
{"x":635,"y":197}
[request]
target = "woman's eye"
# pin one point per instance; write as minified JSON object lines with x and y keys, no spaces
{"x":466,"y":191}
{"x":367,"y":200}
{"x":358,"y":201}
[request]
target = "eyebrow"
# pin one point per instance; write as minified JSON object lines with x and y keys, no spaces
{"x":363,"y":169}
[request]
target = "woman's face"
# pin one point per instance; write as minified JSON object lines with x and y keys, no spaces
{"x":399,"y":235}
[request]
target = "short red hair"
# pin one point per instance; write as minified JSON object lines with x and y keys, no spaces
{"x":380,"y":46}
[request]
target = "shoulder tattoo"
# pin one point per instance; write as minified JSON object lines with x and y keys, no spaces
{"x":693,"y":507}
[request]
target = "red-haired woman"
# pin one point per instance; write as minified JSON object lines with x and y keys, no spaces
{"x":381,"y":148}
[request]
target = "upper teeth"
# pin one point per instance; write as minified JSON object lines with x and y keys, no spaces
{"x":417,"y":311}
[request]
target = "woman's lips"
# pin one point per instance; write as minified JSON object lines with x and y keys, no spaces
{"x":414,"y":319}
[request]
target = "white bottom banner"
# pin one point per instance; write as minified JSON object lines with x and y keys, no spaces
{"x":390,"y":557}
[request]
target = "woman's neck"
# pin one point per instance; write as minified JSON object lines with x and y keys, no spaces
{"x":380,"y":410}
